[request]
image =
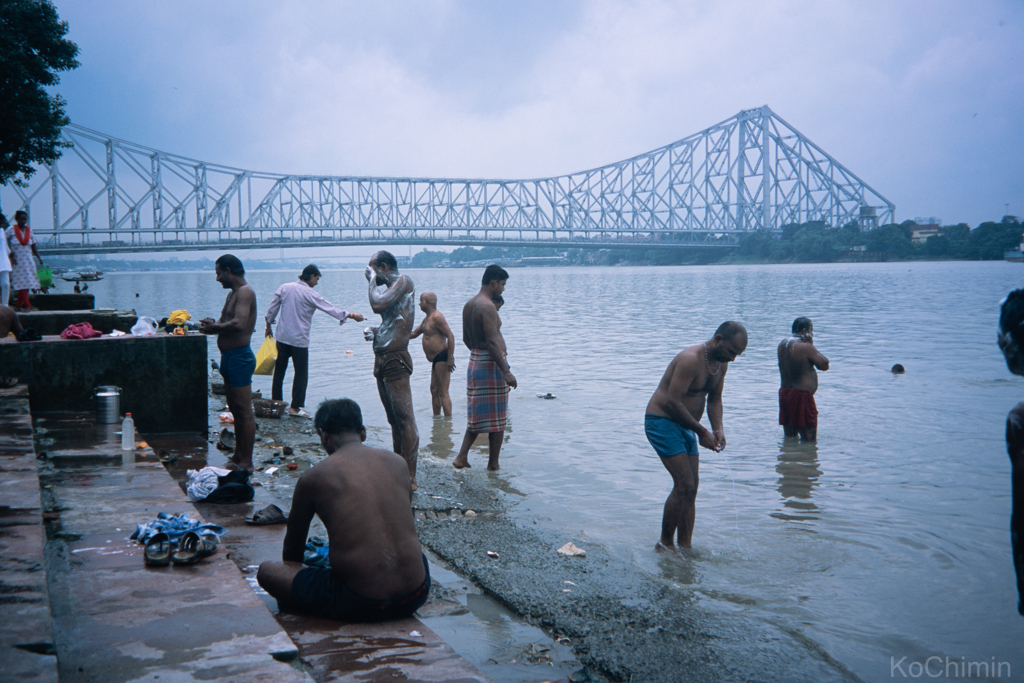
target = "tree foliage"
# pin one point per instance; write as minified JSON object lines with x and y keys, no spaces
{"x":32,"y":52}
{"x":816,"y":242}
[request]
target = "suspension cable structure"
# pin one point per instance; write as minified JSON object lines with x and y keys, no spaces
{"x":752,"y":171}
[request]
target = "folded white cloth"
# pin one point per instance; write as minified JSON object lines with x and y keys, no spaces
{"x":202,"y":483}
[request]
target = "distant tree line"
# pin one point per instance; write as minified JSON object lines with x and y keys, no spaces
{"x":813,"y":242}
{"x":816,"y":242}
{"x":427,"y":258}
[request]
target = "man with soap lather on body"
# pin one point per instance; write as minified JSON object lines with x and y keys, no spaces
{"x":799,"y":361}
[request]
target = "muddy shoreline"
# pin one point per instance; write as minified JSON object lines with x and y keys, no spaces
{"x":622,"y":624}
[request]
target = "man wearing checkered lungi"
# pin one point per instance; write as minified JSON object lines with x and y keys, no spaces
{"x":488,"y":377}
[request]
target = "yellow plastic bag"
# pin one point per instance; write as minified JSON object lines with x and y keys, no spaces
{"x":178,"y":318}
{"x":266,"y":357}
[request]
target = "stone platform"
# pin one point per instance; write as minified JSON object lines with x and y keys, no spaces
{"x":54,"y":322}
{"x":87,"y":608}
{"x":162,"y":377}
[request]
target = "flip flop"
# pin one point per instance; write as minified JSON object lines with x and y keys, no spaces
{"x":301,"y":413}
{"x":194,"y":548}
{"x":158,"y":551}
{"x":268,"y":515}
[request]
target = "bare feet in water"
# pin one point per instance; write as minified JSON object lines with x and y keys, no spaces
{"x":670,"y":548}
{"x":459,"y":462}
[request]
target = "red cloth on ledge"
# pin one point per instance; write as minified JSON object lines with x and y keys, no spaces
{"x":80,"y":331}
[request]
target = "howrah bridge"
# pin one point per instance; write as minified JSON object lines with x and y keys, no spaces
{"x":752,"y":171}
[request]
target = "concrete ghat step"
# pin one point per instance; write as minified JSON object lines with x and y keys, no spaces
{"x":116,"y":619}
{"x":26,"y":625}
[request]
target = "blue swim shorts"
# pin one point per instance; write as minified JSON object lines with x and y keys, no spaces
{"x":237,"y":366}
{"x":668,"y":437}
{"x":316,"y":591}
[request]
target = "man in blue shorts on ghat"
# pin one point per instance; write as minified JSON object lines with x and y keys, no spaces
{"x":237,"y":361}
{"x":362,"y":495}
{"x":672,"y":423}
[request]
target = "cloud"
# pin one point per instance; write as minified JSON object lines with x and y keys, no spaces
{"x":529,"y":89}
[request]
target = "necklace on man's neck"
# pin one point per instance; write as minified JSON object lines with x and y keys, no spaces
{"x":709,"y":364}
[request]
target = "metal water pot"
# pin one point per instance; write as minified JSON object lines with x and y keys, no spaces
{"x":108,"y":405}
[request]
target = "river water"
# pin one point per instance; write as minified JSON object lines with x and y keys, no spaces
{"x":884,"y":544}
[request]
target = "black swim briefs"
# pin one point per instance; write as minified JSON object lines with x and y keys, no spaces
{"x":316,"y":591}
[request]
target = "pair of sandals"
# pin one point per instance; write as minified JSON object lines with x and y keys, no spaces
{"x":161,"y":551}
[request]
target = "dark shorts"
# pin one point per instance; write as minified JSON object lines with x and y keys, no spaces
{"x":237,"y":366}
{"x":316,"y":591}
{"x":440,"y":358}
{"x":797,"y":409}
{"x":392,"y":365}
{"x":668,"y":437}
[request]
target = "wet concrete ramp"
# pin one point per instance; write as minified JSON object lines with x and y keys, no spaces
{"x":115,"y":619}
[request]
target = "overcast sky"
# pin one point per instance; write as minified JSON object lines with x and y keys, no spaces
{"x":922,"y":100}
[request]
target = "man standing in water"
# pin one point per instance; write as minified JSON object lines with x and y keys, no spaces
{"x":488,"y":378}
{"x":672,"y":424}
{"x":1011,"y":341}
{"x":392,"y":363}
{"x":439,"y":347}
{"x":237,"y":361}
{"x":798,"y":361}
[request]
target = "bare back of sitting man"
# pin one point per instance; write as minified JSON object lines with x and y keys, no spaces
{"x":9,"y":321}
{"x":799,"y":361}
{"x":362,"y":495}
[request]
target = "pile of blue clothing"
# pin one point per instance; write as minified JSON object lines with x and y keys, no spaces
{"x":175,"y":526}
{"x":316,"y":553}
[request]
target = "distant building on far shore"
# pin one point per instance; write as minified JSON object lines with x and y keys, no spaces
{"x":925,"y":228}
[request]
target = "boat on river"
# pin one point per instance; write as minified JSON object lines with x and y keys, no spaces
{"x":82,"y":276}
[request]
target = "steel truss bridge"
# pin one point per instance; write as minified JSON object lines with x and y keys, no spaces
{"x":751,"y":172}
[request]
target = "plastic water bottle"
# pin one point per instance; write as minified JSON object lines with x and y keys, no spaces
{"x":128,"y":433}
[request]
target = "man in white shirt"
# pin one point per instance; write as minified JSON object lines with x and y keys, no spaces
{"x":297,"y":302}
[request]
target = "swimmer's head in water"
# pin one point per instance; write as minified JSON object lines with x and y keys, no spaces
{"x":1011,"y":331}
{"x":494,"y":272}
{"x":801,"y":325}
{"x":337,"y":416}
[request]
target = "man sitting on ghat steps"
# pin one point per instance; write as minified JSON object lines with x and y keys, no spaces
{"x":362,"y":495}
